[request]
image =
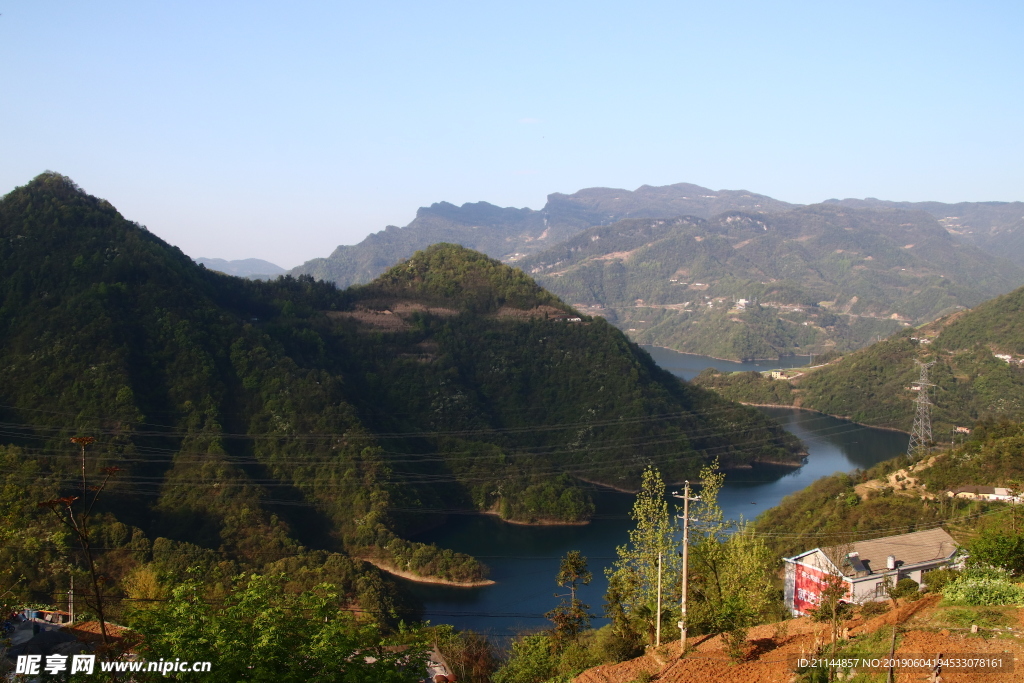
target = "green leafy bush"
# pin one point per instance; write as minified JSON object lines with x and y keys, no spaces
{"x":904,"y":588}
{"x":983,"y":586}
{"x":873,"y":609}
{"x":937,"y":579}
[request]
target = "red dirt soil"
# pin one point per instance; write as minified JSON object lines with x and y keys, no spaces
{"x":772,"y":646}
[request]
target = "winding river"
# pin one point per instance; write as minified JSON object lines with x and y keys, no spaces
{"x":524,"y":559}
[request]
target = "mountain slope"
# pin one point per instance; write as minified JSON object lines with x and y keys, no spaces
{"x":874,"y":385}
{"x":509,"y":234}
{"x":823,"y":277}
{"x":261,"y":423}
{"x":995,"y":227}
{"x":509,"y":383}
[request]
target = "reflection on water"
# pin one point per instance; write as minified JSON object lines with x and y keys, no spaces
{"x":833,"y":445}
{"x":689,"y":365}
{"x":524,"y":559}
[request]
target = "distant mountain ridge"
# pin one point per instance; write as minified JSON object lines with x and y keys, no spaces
{"x":995,"y":227}
{"x":249,"y":267}
{"x":509,"y":234}
{"x":870,"y":301}
{"x":760,"y":285}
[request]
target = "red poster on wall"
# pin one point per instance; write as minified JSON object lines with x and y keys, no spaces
{"x":807,"y":587}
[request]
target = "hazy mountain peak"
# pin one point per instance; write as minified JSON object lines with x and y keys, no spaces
{"x":248,"y":267}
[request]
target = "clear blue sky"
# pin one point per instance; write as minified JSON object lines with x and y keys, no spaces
{"x":280,"y":130}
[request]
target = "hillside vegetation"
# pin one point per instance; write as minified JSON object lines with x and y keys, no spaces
{"x":811,"y":279}
{"x":849,"y":507}
{"x":995,"y":227}
{"x":291,"y":426}
{"x":875,"y":385}
{"x":829,"y":277}
{"x":510,"y":234}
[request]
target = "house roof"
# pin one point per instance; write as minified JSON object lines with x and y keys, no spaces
{"x":978,"y":490}
{"x":909,"y":549}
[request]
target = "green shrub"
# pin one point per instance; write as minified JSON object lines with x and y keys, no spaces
{"x":999,"y":549}
{"x":822,"y":613}
{"x":937,"y":579}
{"x":612,"y":646}
{"x":904,"y":588}
{"x":873,"y":609}
{"x":983,"y":586}
{"x":736,"y":644}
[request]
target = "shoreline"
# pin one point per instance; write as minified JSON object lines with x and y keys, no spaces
{"x":542,"y":522}
{"x":416,"y":578}
{"x":728,"y":360}
{"x":812,"y":410}
{"x":607,"y":486}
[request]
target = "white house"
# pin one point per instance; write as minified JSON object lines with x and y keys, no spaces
{"x":864,"y":566}
{"x":983,"y":493}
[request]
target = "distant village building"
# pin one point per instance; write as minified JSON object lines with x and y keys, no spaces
{"x":962,"y":430}
{"x":997,"y":493}
{"x":566,"y":318}
{"x":777,"y":374}
{"x":864,"y":566}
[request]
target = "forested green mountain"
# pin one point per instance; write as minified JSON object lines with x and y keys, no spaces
{"x":509,"y":234}
{"x":841,"y":509}
{"x":995,"y":227}
{"x":874,"y":385}
{"x":814,"y":278}
{"x":289,"y":425}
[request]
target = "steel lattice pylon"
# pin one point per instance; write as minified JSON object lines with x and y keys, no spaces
{"x":921,"y":434}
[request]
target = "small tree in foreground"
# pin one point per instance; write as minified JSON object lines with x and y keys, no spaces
{"x":262,"y":633}
{"x":632,"y":598}
{"x":571,"y":616}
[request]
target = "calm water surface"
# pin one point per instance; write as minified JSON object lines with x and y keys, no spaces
{"x":689,"y":365}
{"x":524,"y":559}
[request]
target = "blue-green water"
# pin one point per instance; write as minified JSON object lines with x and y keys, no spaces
{"x":524,"y":559}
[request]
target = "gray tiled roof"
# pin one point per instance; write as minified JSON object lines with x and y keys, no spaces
{"x":909,"y":549}
{"x":975,"y":489}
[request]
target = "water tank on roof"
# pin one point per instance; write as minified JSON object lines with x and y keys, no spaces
{"x":890,"y":562}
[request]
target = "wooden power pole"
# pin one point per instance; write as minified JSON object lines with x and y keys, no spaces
{"x":686,"y":552}
{"x":657,"y":626}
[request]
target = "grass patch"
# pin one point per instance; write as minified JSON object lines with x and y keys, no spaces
{"x":984,"y":617}
{"x":869,"y":646}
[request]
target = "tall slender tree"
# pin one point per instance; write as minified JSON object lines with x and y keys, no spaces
{"x":731,"y":570}
{"x":571,"y":617}
{"x":632,"y":598}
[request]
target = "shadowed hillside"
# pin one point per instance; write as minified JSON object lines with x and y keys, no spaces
{"x":289,"y":425}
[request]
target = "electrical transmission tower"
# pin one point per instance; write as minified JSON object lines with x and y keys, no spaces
{"x":921,"y":434}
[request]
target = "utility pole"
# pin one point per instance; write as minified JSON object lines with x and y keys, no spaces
{"x":686,"y":552}
{"x":921,"y":435}
{"x":657,"y":624}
